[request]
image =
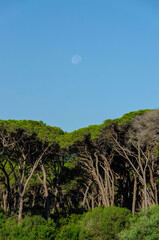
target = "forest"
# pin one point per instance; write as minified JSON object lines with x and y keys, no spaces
{"x":98,"y":182}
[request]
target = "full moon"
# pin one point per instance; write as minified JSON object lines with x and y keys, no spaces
{"x":76,"y":59}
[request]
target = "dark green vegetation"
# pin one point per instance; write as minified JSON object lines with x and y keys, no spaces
{"x":144,"y":226}
{"x":80,"y":185}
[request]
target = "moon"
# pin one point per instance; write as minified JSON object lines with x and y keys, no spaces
{"x":76,"y":59}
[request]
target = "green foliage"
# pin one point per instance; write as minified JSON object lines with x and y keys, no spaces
{"x":44,"y":132}
{"x":100,"y":223}
{"x":32,"y":228}
{"x":36,"y":227}
{"x":9,"y":228}
{"x":74,"y":177}
{"x":1,"y":218}
{"x":65,"y":174}
{"x":70,"y":228}
{"x":129,"y":116}
{"x":69,"y":139}
{"x":48,"y":133}
{"x":125,"y":118}
{"x":104,"y":223}
{"x":145,"y":226}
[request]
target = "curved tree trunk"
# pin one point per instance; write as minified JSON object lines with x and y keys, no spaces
{"x":47,"y":205}
{"x":46,"y":194}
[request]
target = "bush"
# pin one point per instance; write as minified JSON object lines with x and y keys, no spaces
{"x":1,"y":219}
{"x":100,"y":223}
{"x":144,"y":226}
{"x":8,"y":228}
{"x":36,"y":227}
{"x":104,"y":223}
{"x":31,"y":228}
{"x":70,"y":228}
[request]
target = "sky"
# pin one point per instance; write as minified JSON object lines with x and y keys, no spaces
{"x":77,"y":63}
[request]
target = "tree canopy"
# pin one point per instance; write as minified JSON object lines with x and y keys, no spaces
{"x":46,"y":171}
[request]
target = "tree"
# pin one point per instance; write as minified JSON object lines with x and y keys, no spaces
{"x":26,"y":149}
{"x":138,"y":146}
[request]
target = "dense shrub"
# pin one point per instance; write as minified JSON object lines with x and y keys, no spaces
{"x":31,"y":228}
{"x":104,"y":223}
{"x":36,"y":227}
{"x":70,"y":228}
{"x":1,"y":219}
{"x":100,"y":223}
{"x":145,"y":226}
{"x":8,"y":228}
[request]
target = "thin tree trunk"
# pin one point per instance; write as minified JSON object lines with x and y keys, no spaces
{"x":156,"y":195}
{"x":16,"y":199}
{"x":47,"y":205}
{"x":23,"y":186}
{"x":153,"y":187}
{"x":85,"y":194}
{"x":5,"y":196}
{"x":145,"y":193}
{"x":87,"y":203}
{"x":92,"y":202}
{"x":34,"y":197}
{"x":55,"y":200}
{"x":21,"y":203}
{"x":134,"y":194}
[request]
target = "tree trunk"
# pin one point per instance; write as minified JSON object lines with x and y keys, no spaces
{"x":21,"y":200}
{"x":134,"y":194}
{"x":85,"y":194}
{"x":87,"y":203}
{"x":92,"y":202}
{"x":47,"y":205}
{"x":99,"y":181}
{"x":46,"y":194}
{"x":16,"y":200}
{"x":55,"y":200}
{"x":156,"y":195}
{"x":145,"y":193}
{"x":153,"y":187}
{"x":34,"y":197}
{"x":5,"y":196}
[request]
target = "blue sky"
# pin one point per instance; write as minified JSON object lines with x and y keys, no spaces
{"x":118,"y":42}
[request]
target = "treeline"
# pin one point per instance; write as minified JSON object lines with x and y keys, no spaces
{"x":46,"y":171}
